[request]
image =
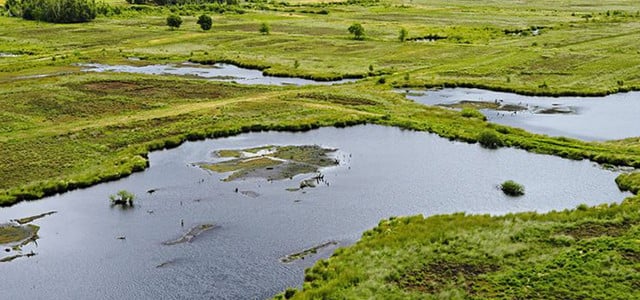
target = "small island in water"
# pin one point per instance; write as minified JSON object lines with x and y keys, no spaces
{"x":272,"y":162}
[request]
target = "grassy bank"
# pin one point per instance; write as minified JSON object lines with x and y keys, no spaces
{"x":584,"y":253}
{"x":541,"y":48}
{"x":84,"y":129}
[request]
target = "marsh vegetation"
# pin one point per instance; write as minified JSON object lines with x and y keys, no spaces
{"x":62,"y":129}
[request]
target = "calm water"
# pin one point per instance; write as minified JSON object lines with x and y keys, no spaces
{"x":383,"y":172}
{"x":220,"y":72}
{"x":592,"y":118}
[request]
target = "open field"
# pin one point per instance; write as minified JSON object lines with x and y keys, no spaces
{"x":61,"y":128}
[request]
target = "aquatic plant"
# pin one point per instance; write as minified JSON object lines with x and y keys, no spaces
{"x":123,"y":198}
{"x":402,"y":35}
{"x":512,"y":188}
{"x":265,"y":28}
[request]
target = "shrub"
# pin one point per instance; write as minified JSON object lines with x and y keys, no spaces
{"x":265,"y":29}
{"x":402,"y":36}
{"x":512,"y":188}
{"x":357,"y":30}
{"x":174,"y":21}
{"x":205,"y":22}
{"x":123,"y":198}
{"x":489,"y":139}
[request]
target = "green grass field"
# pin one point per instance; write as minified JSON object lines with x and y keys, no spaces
{"x":71,"y":129}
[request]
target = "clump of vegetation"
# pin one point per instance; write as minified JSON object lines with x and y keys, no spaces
{"x":205,"y":22}
{"x":512,"y":188}
{"x":54,"y":11}
{"x":357,"y":30}
{"x":123,"y":198}
{"x":174,"y":21}
{"x":402,"y":35}
{"x":265,"y":28}
{"x":468,"y":112}
{"x":489,"y":139}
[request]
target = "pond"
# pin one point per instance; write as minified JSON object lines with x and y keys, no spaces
{"x":586,"y":118}
{"x":218,"y":71}
{"x":192,"y":235}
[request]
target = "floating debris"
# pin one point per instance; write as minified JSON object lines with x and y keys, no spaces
{"x":33,"y":218}
{"x":304,"y":253}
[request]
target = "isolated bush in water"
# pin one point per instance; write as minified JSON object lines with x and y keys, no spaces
{"x":489,"y":139}
{"x":123,"y":198}
{"x":174,"y":21}
{"x":54,"y":11}
{"x":512,"y":188}
{"x":357,"y":30}
{"x":205,"y":22}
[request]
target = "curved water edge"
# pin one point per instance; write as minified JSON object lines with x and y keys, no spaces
{"x":383,"y":172}
{"x":610,"y":117}
{"x":217,"y":71}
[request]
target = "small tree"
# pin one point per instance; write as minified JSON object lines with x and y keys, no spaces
{"x":402,"y":36}
{"x":357,"y":30}
{"x":265,"y":28}
{"x":174,"y":21}
{"x":205,"y":22}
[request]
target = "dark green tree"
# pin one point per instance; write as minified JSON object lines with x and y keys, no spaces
{"x":205,"y":22}
{"x":174,"y":21}
{"x":265,"y":28}
{"x":402,"y":36}
{"x":357,"y":30}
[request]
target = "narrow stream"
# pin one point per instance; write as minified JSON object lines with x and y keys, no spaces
{"x":219,"y":72}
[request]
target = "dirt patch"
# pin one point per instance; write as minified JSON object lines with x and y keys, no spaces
{"x":271,"y":162}
{"x":190,"y":235}
{"x":591,"y":230}
{"x":439,"y":276}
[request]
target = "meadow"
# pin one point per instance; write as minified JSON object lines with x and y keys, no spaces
{"x":61,"y":128}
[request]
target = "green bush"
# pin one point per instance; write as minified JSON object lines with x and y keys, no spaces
{"x":123,"y":198}
{"x":205,"y":22}
{"x":174,"y":21}
{"x":357,"y":30}
{"x":402,"y":36}
{"x":512,"y":188}
{"x":489,"y":139}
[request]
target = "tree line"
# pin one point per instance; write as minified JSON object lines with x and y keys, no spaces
{"x":55,"y":11}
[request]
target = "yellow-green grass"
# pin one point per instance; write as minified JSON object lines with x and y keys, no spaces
{"x":570,"y":55}
{"x":584,"y":253}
